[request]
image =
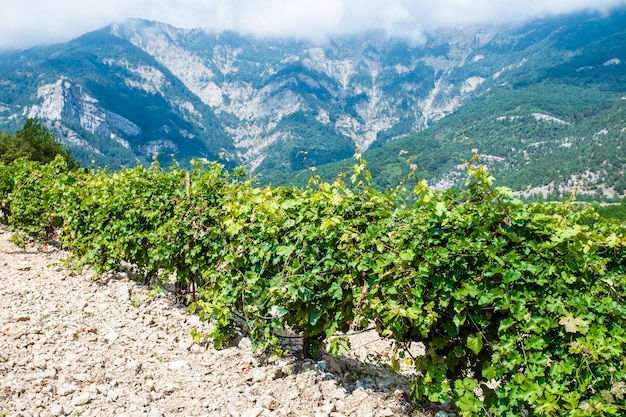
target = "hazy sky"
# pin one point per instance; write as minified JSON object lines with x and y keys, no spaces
{"x":31,"y":22}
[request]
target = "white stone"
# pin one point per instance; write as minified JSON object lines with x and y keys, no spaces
{"x":111,"y":336}
{"x":258,"y":375}
{"x":66,"y":389}
{"x":196,"y":348}
{"x":123,"y":293}
{"x":245,"y":343}
{"x":193,"y":321}
{"x":178,"y":365}
{"x":170,"y":387}
{"x":15,"y":387}
{"x":253,"y":412}
{"x":81,"y":399}
{"x":148,"y":320}
{"x":113,"y":395}
{"x":134,"y":366}
{"x":338,"y":394}
{"x":57,"y":410}
{"x":81,"y":377}
{"x":23,"y":266}
{"x":155,"y":412}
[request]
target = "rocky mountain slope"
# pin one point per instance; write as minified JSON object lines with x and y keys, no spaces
{"x":551,"y":124}
{"x":129,"y":90}
{"x":148,"y":87}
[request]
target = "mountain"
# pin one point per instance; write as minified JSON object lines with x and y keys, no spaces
{"x":556,"y":122}
{"x":553,"y":122}
{"x":129,"y":90}
{"x":109,"y":101}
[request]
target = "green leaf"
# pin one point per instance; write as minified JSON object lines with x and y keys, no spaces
{"x":568,"y":278}
{"x":285,"y":250}
{"x":314,"y":317}
{"x":438,"y":342}
{"x":486,"y":298}
{"x":566,"y":233}
{"x":395,"y":365}
{"x":407,"y":255}
{"x":534,"y":343}
{"x":462,"y":386}
{"x":475,"y":342}
{"x":335,"y":291}
{"x":339,"y":346}
{"x":488,"y":372}
{"x":459,"y":319}
{"x":440,"y":208}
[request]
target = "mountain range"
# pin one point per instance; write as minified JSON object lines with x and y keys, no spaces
{"x":542,"y":102}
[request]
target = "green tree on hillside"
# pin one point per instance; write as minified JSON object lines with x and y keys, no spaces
{"x":34,"y":142}
{"x":615,"y":211}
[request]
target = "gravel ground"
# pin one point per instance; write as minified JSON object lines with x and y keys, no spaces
{"x":71,"y":345}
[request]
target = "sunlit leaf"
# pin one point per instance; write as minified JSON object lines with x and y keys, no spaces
{"x":574,"y":324}
{"x":475,"y":342}
{"x":277,"y":311}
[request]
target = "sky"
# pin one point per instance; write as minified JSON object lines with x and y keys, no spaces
{"x":27,"y":23}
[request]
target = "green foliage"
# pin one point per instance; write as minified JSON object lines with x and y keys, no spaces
{"x":288,"y":259}
{"x":522,"y":295}
{"x":520,"y":303}
{"x":33,"y":142}
{"x":32,"y":197}
{"x":614,"y":211}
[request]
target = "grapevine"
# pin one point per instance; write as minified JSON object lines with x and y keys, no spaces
{"x":520,"y":306}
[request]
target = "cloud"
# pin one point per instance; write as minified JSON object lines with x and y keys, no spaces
{"x":30,"y":22}
{"x":303,"y":18}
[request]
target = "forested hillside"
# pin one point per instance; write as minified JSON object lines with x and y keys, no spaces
{"x":539,"y":149}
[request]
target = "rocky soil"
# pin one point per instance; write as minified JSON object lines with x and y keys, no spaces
{"x":72,"y":345}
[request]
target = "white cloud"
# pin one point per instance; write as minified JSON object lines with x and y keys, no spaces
{"x":284,"y":18}
{"x":30,"y":22}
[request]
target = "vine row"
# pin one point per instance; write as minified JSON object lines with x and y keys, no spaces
{"x":520,"y":306}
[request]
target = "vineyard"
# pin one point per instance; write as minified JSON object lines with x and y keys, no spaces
{"x":521,"y":307}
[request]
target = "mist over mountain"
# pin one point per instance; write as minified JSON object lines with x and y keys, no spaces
{"x":549,"y":91}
